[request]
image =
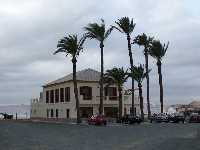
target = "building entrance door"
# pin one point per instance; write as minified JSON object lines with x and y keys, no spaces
{"x":86,"y":112}
{"x":111,"y":112}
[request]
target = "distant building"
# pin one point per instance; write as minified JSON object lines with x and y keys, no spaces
{"x":193,"y":107}
{"x":57,"y":99}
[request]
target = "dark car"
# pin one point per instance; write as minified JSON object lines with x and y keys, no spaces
{"x":6,"y":116}
{"x":97,"y":120}
{"x":195,"y":118}
{"x":176,"y":118}
{"x":131,"y":119}
{"x":162,"y":117}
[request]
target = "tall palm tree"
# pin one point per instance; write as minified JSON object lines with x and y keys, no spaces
{"x":158,"y":51}
{"x":70,"y":45}
{"x":98,"y":32}
{"x":138,"y":73}
{"x":117,"y":76}
{"x":126,"y":26}
{"x":143,"y":40}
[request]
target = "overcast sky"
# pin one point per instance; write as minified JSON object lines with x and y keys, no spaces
{"x":30,"y":29}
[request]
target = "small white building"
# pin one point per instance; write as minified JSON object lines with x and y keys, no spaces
{"x":57,"y":99}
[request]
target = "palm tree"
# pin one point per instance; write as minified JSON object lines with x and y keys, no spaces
{"x":138,"y":73}
{"x":117,"y":76}
{"x":143,"y":40}
{"x":70,"y":45}
{"x":126,"y":26}
{"x":158,"y":51}
{"x":99,"y":33}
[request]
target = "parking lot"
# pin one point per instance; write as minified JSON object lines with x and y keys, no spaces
{"x":50,"y":136}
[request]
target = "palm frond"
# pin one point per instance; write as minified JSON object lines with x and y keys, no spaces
{"x":81,"y":41}
{"x":118,"y":29}
{"x":90,"y":35}
{"x":165,"y":47}
{"x":157,"y":50}
{"x":146,"y":73}
{"x":97,"y":31}
{"x":108,"y":32}
{"x":126,"y":25}
{"x":117,"y":75}
{"x":70,"y":45}
{"x":138,"y":73}
{"x":143,"y":40}
{"x":132,"y":26}
{"x":59,"y":50}
{"x":107,"y":80}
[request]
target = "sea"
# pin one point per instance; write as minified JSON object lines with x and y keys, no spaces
{"x":21,"y":111}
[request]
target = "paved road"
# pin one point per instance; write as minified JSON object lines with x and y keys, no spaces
{"x":48,"y":136}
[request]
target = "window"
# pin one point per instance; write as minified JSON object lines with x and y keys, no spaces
{"x":61,"y":94}
{"x":51,"y":113}
{"x":57,"y":95}
{"x":125,"y":111}
{"x":34,"y":111}
{"x":67,"y":113}
{"x":111,"y":92}
{"x":56,"y":113}
{"x":47,"y":113}
{"x":47,"y":96}
{"x":67,"y":94}
{"x":52,"y":96}
{"x":86,"y":91}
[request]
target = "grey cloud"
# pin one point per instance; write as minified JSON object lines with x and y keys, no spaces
{"x":30,"y":31}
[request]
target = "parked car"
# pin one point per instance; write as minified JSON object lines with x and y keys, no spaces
{"x":176,"y":118}
{"x":162,"y":117}
{"x":97,"y":120}
{"x":195,"y":118}
{"x":6,"y":116}
{"x":130,"y":119}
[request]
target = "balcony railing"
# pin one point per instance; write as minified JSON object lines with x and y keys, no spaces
{"x":96,"y":100}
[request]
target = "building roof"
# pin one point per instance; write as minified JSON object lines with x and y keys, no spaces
{"x":88,"y":75}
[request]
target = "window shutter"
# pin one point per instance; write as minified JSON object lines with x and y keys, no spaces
{"x":68,"y":93}
{"x":90,"y":92}
{"x":114,"y":91}
{"x":106,"y":91}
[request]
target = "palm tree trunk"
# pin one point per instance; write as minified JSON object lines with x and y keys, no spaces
{"x":161,"y":84}
{"x":76,"y":91}
{"x":101,"y":80}
{"x":141,"y":100}
{"x":120,"y":101}
{"x":147,"y":77}
{"x":131,"y":64}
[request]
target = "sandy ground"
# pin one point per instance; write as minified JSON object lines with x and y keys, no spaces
{"x":60,"y":136}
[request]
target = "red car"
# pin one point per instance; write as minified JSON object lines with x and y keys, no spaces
{"x":97,"y":120}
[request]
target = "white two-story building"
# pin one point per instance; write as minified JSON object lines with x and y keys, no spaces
{"x":57,"y":99}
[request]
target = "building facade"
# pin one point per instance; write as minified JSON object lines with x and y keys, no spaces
{"x":57,"y":99}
